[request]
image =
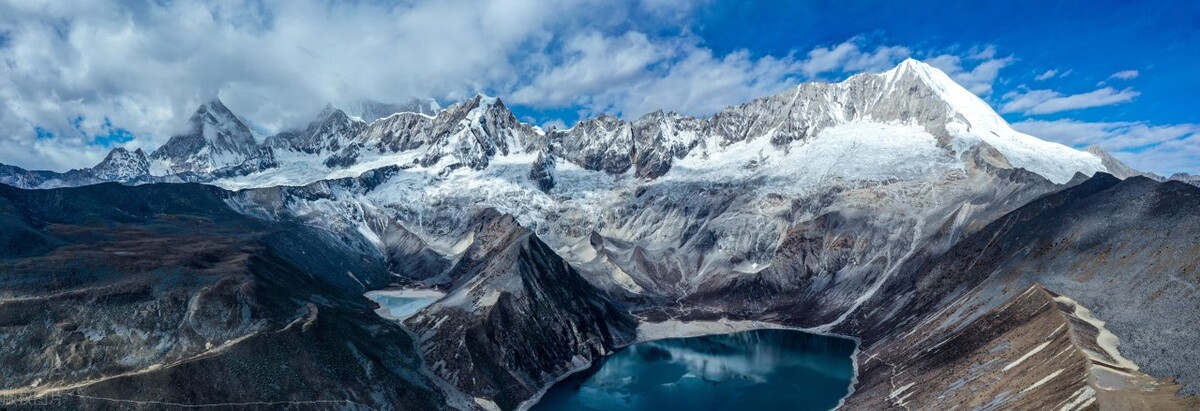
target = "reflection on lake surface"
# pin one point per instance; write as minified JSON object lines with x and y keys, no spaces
{"x":752,"y":370}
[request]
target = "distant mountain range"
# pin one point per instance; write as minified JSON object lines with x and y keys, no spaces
{"x":979,"y":267}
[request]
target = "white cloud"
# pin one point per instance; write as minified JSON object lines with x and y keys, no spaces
{"x":1050,"y":101}
{"x":1163,"y":149}
{"x":1124,"y":75}
{"x":1170,"y":157}
{"x":981,"y":77}
{"x":147,"y":66}
{"x":850,"y":56}
{"x":630,"y":75}
{"x":1048,"y":74}
{"x":594,"y":63}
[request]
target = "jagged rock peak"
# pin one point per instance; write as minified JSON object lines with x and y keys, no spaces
{"x":328,"y":133}
{"x":1118,"y":168}
{"x":123,"y":165}
{"x":217,"y":139}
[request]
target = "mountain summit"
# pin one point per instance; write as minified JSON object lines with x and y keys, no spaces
{"x":471,"y":134}
{"x":894,"y":208}
{"x":217,"y":139}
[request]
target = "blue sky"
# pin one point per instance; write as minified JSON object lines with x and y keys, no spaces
{"x":83,"y":77}
{"x":1093,"y":39}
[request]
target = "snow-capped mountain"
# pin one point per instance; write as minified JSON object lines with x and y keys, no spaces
{"x":340,"y":142}
{"x":671,"y":206}
{"x":897,"y":208}
{"x":332,"y":130}
{"x":217,"y":140}
{"x":470,"y":133}
{"x":1186,"y":178}
{"x":123,"y":165}
{"x":665,"y":206}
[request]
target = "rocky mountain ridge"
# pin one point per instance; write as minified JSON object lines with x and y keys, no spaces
{"x":472,"y":133}
{"x":896,"y":208}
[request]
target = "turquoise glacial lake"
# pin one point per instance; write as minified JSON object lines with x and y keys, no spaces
{"x":752,"y":370}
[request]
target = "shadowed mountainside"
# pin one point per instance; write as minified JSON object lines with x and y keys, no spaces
{"x":163,"y":293}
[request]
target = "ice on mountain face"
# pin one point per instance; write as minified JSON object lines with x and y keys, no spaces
{"x":1056,"y":162}
{"x":123,"y":165}
{"x":864,"y":152}
{"x":471,"y":134}
{"x":218,"y":140}
{"x":696,"y":196}
{"x":332,"y":130}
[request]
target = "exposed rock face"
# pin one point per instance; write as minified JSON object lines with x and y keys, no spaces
{"x":1035,"y":351}
{"x":1186,"y":178}
{"x":516,"y":318}
{"x":1116,"y":167}
{"x":332,"y":129}
{"x":896,"y":208}
{"x":472,"y":133}
{"x":123,"y":165}
{"x":115,"y":295}
{"x":603,"y":144}
{"x":542,"y":171}
{"x":1124,"y":249}
{"x":218,"y":139}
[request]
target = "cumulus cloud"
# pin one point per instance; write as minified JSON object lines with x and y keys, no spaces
{"x":981,"y":77}
{"x":1162,"y":149}
{"x":1048,"y":74}
{"x":630,"y":75}
{"x":1124,"y":75}
{"x":1050,"y":101}
{"x":91,"y":68}
{"x":851,"y":56}
{"x":147,"y":66}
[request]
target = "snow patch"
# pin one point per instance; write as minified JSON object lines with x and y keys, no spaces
{"x":1105,"y":338}
{"x":1018,"y":361}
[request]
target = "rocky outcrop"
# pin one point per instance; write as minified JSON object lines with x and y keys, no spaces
{"x":1123,"y":249}
{"x":471,"y":133}
{"x":1035,"y":351}
{"x":516,"y":317}
{"x":1186,"y":178}
{"x":542,"y":171}
{"x":1117,"y":168}
{"x":218,"y":139}
{"x":120,"y":296}
{"x":123,"y":165}
{"x":331,"y":131}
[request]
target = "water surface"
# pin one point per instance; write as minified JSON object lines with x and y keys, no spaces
{"x":402,"y":303}
{"x":752,"y":370}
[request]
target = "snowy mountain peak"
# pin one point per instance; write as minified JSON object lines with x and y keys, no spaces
{"x":962,"y":101}
{"x":328,"y":133}
{"x":217,"y":139}
{"x":970,"y":119}
{"x":123,"y":165}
